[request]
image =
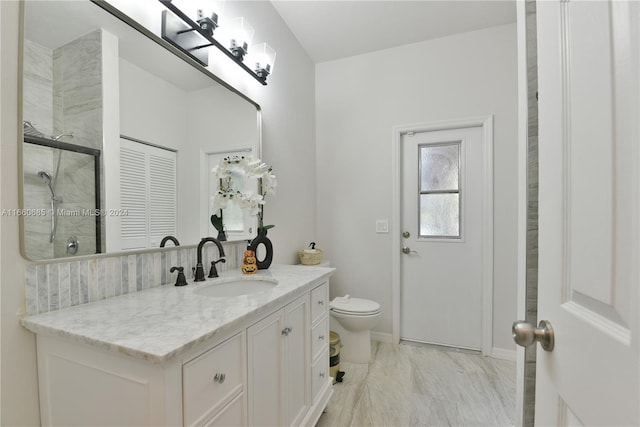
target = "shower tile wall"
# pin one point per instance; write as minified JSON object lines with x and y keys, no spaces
{"x":50,"y":287}
{"x":77,"y":88}
{"x":38,"y":103}
{"x":62,"y":94}
{"x":38,"y":84}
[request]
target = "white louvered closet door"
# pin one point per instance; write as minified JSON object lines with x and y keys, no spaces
{"x":147,"y":194}
{"x":162,"y":195}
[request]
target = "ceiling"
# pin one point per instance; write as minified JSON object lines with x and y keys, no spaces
{"x":333,"y":29}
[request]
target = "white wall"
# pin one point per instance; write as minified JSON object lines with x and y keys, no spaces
{"x":358,"y":101}
{"x":288,"y":129}
{"x":18,"y":370}
{"x":288,"y":144}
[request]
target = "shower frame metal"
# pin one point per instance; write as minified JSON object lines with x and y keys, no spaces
{"x":46,"y":142}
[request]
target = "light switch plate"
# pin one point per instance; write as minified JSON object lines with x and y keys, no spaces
{"x":382,"y":226}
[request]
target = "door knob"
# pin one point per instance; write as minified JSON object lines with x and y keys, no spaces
{"x":286,"y":331}
{"x":525,"y":334}
{"x":406,"y":250}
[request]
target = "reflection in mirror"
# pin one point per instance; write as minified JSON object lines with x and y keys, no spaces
{"x":119,"y":134}
{"x":238,"y":224}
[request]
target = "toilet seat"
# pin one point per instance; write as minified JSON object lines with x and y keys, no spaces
{"x":351,"y":313}
{"x":354,"y":306}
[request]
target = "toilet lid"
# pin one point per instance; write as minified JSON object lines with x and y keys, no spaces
{"x":346,"y":304}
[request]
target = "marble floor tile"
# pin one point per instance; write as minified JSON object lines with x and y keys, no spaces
{"x":422,"y":385}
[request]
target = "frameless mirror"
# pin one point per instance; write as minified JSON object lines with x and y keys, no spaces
{"x":120,"y":132}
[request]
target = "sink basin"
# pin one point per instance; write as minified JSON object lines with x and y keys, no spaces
{"x":236,"y":287}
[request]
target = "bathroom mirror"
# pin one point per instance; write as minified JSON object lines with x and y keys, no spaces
{"x":120,"y":130}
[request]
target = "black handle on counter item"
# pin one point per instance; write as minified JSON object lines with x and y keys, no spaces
{"x":180,"y":280}
{"x":214,"y":271}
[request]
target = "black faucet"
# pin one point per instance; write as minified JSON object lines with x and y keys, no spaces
{"x":180,"y":280}
{"x":199,"y":273}
{"x":167,"y":238}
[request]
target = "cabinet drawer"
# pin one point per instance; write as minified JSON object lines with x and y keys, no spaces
{"x":319,"y":302}
{"x":212,"y":379}
{"x":319,"y":374}
{"x":230,"y":415}
{"x":319,"y":337}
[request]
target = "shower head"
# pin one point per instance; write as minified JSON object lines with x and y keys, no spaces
{"x":30,"y":129}
{"x":45,"y":177}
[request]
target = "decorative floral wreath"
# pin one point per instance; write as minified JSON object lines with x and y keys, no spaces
{"x":249,"y":201}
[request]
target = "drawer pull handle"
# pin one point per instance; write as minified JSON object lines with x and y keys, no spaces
{"x":320,"y":302}
{"x":321,"y":374}
{"x":219,"y":378}
{"x":321,"y":337}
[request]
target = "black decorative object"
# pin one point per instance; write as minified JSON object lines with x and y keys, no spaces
{"x":218,"y":224}
{"x":180,"y":279}
{"x":262,"y":239}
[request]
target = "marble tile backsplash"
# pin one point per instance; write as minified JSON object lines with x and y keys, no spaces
{"x":54,"y":286}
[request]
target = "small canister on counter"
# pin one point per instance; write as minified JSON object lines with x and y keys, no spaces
{"x":334,"y":355}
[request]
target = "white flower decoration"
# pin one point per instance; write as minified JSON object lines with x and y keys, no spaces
{"x":249,"y":201}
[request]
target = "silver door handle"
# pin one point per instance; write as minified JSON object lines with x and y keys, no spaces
{"x":407,"y":251}
{"x":525,"y":334}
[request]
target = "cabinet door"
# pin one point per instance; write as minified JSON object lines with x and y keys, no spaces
{"x":266,"y":371}
{"x":297,"y":345}
{"x":230,"y":415}
{"x":211,"y":380}
{"x":319,"y":302}
{"x":147,"y":193}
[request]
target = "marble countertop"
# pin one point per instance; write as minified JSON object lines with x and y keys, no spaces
{"x":161,"y":323}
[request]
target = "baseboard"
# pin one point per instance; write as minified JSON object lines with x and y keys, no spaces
{"x":503,"y":354}
{"x":382,"y":337}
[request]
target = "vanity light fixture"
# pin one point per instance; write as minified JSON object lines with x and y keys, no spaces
{"x":192,"y":34}
{"x":238,"y":34}
{"x":204,"y":13}
{"x":261,"y":58}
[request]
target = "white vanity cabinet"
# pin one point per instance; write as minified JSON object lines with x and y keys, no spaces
{"x":213,"y":385}
{"x":270,"y":370}
{"x":319,"y":341}
{"x":279,"y":366}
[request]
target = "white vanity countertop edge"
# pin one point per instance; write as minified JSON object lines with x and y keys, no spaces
{"x":161,"y":323}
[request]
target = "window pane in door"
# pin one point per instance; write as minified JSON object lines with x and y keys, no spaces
{"x":439,"y":167}
{"x":440,"y":215}
{"x":233,"y":214}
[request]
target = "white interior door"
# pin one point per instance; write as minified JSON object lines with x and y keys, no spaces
{"x":589,"y":214}
{"x":442,"y":217}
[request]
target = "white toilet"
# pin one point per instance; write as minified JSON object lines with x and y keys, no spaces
{"x":352,"y":318}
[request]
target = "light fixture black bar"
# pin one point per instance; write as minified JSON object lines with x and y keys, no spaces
{"x":210,"y":41}
{"x":185,"y":38}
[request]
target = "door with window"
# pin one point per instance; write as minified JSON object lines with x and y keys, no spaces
{"x":442,"y":181}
